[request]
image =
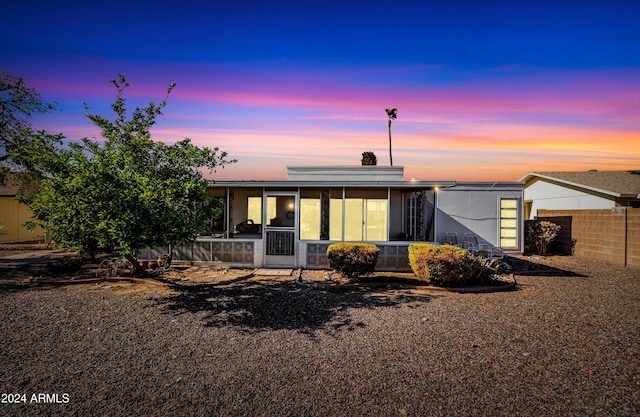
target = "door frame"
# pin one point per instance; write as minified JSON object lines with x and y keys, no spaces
{"x":273,"y":261}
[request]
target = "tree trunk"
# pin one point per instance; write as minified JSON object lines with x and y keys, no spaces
{"x":390,"y":157}
{"x":136,"y":266}
{"x":139,"y":267}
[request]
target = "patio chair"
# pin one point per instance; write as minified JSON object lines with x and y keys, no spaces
{"x":452,"y":239}
{"x":483,"y":249}
{"x":248,"y":226}
{"x":497,"y":252}
{"x":472,"y":244}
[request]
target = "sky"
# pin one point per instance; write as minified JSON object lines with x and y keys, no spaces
{"x":485,"y":91}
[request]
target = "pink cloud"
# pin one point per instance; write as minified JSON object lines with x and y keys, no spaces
{"x":487,"y":125}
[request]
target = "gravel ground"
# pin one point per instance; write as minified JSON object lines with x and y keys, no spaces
{"x":565,"y":344}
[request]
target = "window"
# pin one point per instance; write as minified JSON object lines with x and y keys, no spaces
{"x":310,"y":219}
{"x":365,"y":219}
{"x":254,"y":209}
{"x":280,"y":211}
{"x":509,"y":223}
{"x":410,"y":218}
{"x":354,"y":218}
{"x":375,"y":224}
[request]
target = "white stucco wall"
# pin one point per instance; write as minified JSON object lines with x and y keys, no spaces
{"x":549,"y":196}
{"x":475,"y":208}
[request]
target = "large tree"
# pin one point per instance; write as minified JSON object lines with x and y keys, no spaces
{"x":18,"y":103}
{"x":124,"y":193}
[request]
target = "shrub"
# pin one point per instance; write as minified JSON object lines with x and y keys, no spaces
{"x":352,"y":259}
{"x":538,"y":235}
{"x":449,"y":265}
{"x":418,"y":255}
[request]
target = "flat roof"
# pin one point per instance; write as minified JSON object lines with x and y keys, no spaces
{"x":334,"y":184}
{"x":357,"y":176}
{"x":407,"y":184}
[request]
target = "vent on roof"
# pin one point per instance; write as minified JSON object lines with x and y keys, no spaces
{"x":635,"y":171}
{"x":592,"y":170}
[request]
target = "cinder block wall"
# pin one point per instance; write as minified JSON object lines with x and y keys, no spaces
{"x":609,"y":234}
{"x":633,"y":237}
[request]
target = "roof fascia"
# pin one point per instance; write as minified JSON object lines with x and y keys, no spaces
{"x":333,"y":184}
{"x":532,"y":175}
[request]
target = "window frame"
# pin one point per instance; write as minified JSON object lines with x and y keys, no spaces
{"x":501,"y":211}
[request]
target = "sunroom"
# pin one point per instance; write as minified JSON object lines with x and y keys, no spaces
{"x":290,"y":223}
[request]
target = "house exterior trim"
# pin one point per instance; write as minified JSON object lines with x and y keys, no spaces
{"x":533,"y":176}
{"x":405,"y":184}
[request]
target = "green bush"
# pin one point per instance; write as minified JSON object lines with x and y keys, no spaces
{"x":449,"y":265}
{"x":418,"y":254}
{"x":352,"y":259}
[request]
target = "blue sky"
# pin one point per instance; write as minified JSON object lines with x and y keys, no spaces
{"x":485,"y":90}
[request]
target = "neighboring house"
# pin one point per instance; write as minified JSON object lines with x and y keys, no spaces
{"x":14,"y":215}
{"x":290,"y":223}
{"x":580,"y":190}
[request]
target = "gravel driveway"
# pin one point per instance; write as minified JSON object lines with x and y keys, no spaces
{"x":565,"y":344}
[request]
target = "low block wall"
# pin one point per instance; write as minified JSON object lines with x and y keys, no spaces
{"x":247,"y":253}
{"x":234,"y":252}
{"x":608,"y":234}
{"x":392,"y":257}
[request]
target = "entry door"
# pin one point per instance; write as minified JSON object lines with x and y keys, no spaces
{"x":280,"y":218}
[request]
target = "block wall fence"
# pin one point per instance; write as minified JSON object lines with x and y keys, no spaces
{"x":608,"y":234}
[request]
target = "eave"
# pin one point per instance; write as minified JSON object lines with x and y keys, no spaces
{"x":334,"y":184}
{"x":532,"y":175}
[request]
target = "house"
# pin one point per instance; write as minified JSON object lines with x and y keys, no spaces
{"x":290,"y":223}
{"x":577,"y":190}
{"x":13,"y":216}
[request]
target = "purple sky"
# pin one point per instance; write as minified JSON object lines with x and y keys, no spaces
{"x":484,"y":90}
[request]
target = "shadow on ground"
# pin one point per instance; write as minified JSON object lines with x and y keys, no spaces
{"x":535,"y":266}
{"x":18,"y":271}
{"x":257,"y":306}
